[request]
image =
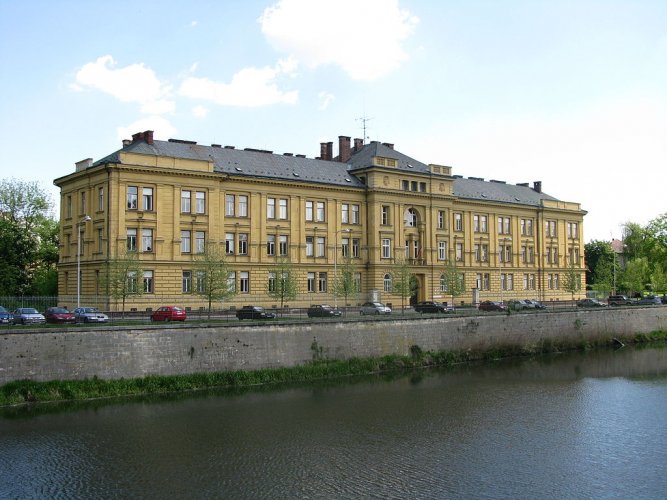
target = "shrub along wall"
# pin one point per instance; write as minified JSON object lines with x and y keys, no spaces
{"x":127,"y":352}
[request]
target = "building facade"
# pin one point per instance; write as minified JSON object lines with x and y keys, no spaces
{"x":371,"y":209}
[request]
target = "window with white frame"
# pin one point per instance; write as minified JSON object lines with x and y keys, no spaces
{"x":185,"y":202}
{"x":132,"y":283}
{"x":200,"y":281}
{"x":310,"y":281}
{"x":282,"y":209}
{"x":441,"y":219}
{"x":271,"y":244}
{"x":322,"y":282}
{"x":357,"y":282}
{"x":345,"y":247}
{"x":319,"y":215}
{"x":504,"y":225}
{"x":458,"y":222}
{"x":148,"y":282}
{"x":345,"y":213}
{"x":132,"y":197}
{"x":573,"y":230}
{"x":444,"y":287}
{"x":459,"y":252}
{"x":147,"y":240}
{"x":186,"y":246}
{"x":131,"y":239}
{"x":550,"y":228}
{"x":243,"y":206}
{"x":526,"y":227}
{"x":230,"y":205}
{"x":310,"y":242}
{"x":272,"y":281}
{"x":229,"y":243}
{"x":200,"y":241}
{"x":147,"y":199}
{"x":480,"y":223}
{"x":387,"y":283}
{"x":100,"y":199}
{"x":385,"y":215}
{"x":442,"y":250}
{"x":186,"y":282}
{"x":321,"y":246}
{"x":231,"y":281}
{"x":309,"y":211}
{"x":355,"y":214}
{"x":243,"y":244}
{"x":282,"y":245}
{"x":386,"y":248}
{"x":270,"y":208}
{"x":355,"y":247}
{"x":244,"y":282}
{"x":410,"y":217}
{"x":200,"y":202}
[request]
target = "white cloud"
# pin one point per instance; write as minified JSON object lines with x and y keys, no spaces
{"x":325,"y":99}
{"x":365,"y":38}
{"x":133,"y":83}
{"x":609,"y":157}
{"x":162,"y":128}
{"x":199,"y":111}
{"x":250,"y":87}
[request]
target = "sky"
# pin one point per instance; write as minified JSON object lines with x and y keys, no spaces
{"x":570,"y":93}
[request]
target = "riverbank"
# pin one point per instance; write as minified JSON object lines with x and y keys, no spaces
{"x":27,"y":391}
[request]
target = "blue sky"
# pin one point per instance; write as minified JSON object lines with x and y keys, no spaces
{"x":572,"y":93}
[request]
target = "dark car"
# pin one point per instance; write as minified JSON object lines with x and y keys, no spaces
{"x":490,"y":305}
{"x":169,"y":313}
{"x":27,"y":316}
{"x":590,"y":303}
{"x":431,"y":307}
{"x":618,"y":300}
{"x":322,"y":311}
{"x":536,"y":304}
{"x":90,"y":315}
{"x":254,"y":312}
{"x":519,"y":305}
{"x":649,"y":301}
{"x":5,"y":316}
{"x":59,"y":315}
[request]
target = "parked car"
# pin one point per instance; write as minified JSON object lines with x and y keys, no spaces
{"x":59,"y":315}
{"x":663,"y":299}
{"x":490,"y":305}
{"x":322,"y":311}
{"x":536,"y":304}
{"x":169,"y":313}
{"x":519,"y":305}
{"x":254,"y":312}
{"x":590,"y":303}
{"x":27,"y":316}
{"x":619,"y":300}
{"x":5,"y":316}
{"x":374,"y":308}
{"x":431,"y":307}
{"x":89,"y":315}
{"x":649,"y":301}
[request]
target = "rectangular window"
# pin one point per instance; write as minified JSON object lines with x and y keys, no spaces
{"x":132,"y":197}
{"x":185,"y":202}
{"x":345,"y":247}
{"x":550,"y":228}
{"x":100,"y":240}
{"x":100,"y":199}
{"x":229,"y":243}
{"x":244,"y":282}
{"x":458,"y":222}
{"x":309,"y":246}
{"x":459,"y":252}
{"x":282,"y":209}
{"x":200,"y":282}
{"x":441,"y":219}
{"x":270,"y":208}
{"x":322,"y":282}
{"x":229,"y":205}
{"x":309,"y":211}
{"x":573,"y":230}
{"x":504,"y":225}
{"x":200,"y":241}
{"x":355,"y":248}
{"x":272,"y":282}
{"x":147,"y":199}
{"x":526,"y":227}
{"x":320,"y":211}
{"x":200,"y":201}
{"x":131,"y":240}
{"x":147,"y":240}
{"x":406,"y":185}
{"x":69,"y":207}
{"x":422,"y":187}
{"x":282,"y":245}
{"x":320,"y":246}
{"x":187,"y":282}
{"x":148,"y":281}
{"x":310,"y":280}
{"x":185,"y":242}
{"x":355,"y":214}
{"x":270,"y":244}
{"x":442,"y":250}
{"x":413,"y":185}
{"x":132,"y":282}
{"x":386,"y":248}
{"x":83,"y":203}
{"x":385,"y":215}
{"x":243,"y":244}
{"x":345,"y":213}
{"x":243,"y":206}
{"x":231,"y":281}
{"x":357,"y":282}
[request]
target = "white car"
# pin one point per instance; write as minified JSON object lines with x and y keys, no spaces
{"x":89,"y":315}
{"x":374,"y":308}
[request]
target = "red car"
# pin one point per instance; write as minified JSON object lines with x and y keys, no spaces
{"x":169,"y":313}
{"x":59,"y":315}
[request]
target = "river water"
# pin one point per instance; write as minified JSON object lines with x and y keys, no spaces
{"x":578,"y":425}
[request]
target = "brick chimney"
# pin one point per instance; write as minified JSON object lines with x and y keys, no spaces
{"x":329,"y":151}
{"x":344,"y":152}
{"x":145,"y":136}
{"x":323,"y":150}
{"x":388,"y":144}
{"x":537,"y":186}
{"x":358,"y":144}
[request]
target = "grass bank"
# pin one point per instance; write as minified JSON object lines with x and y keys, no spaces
{"x":27,"y":391}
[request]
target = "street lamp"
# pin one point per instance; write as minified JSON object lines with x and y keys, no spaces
{"x":501,"y":249}
{"x":335,"y":280}
{"x":81,"y":223}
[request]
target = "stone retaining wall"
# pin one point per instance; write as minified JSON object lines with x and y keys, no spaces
{"x":127,"y":352}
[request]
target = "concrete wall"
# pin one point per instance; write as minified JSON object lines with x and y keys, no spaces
{"x":126,"y":352}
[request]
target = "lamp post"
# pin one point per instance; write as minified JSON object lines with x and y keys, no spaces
{"x":500,"y":264}
{"x":81,"y":223}
{"x":335,"y":280}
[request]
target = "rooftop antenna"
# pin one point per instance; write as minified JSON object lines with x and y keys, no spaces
{"x":363,"y":121}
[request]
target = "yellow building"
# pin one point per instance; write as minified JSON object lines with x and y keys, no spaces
{"x":370,"y":207}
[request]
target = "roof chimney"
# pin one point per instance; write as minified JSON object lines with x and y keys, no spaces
{"x":358,"y":144}
{"x":344,"y":152}
{"x":145,"y":136}
{"x":126,"y":142}
{"x":388,"y":144}
{"x":537,"y":186}
{"x":83,"y":164}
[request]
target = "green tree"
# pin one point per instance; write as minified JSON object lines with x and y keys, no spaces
{"x":404,"y":282}
{"x":17,"y":254}
{"x":345,"y":283}
{"x":659,"y":280}
{"x":212,"y":275}
{"x":452,"y":280}
{"x":123,"y":277}
{"x":572,"y":280}
{"x":599,"y":258}
{"x":24,"y":203}
{"x":283,"y":283}
{"x":636,"y":275}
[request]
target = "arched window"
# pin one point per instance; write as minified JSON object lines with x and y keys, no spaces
{"x":410,"y":217}
{"x":388,"y":286}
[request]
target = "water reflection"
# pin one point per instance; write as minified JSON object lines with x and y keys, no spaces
{"x":572,"y":425}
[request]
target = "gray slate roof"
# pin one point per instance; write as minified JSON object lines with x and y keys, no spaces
{"x":261,"y":164}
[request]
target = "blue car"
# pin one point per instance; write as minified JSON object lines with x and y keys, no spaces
{"x":5,"y":316}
